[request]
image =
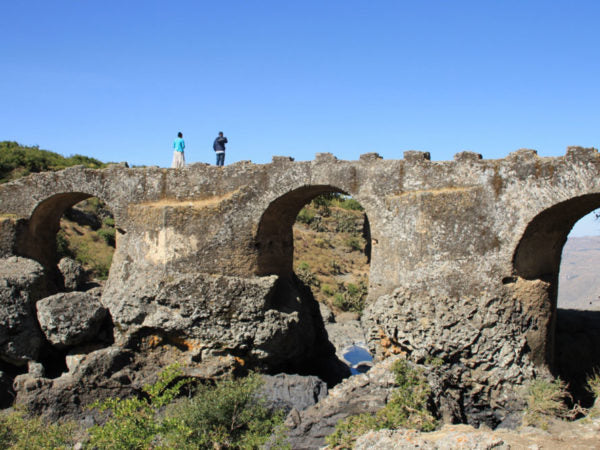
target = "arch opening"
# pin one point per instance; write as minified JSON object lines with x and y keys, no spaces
{"x":569,"y":337}
{"x":317,"y":240}
{"x":73,"y":235}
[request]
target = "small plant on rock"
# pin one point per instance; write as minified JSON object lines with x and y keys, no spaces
{"x":407,"y":408}
{"x":545,"y":401}
{"x":133,"y":422}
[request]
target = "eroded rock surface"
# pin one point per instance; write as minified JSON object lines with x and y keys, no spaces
{"x":69,"y":319}
{"x":287,"y":392}
{"x":361,"y":393}
{"x":22,"y":282}
{"x":580,"y":435}
{"x":73,"y":274}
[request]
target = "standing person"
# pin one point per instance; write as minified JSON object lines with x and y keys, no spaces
{"x":178,"y":158}
{"x":219,"y":148}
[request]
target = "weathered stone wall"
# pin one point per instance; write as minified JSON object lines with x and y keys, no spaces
{"x":464,"y":259}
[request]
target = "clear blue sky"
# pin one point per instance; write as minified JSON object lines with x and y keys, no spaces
{"x":116,"y":80}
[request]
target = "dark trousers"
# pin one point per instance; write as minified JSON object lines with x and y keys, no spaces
{"x":220,"y":159}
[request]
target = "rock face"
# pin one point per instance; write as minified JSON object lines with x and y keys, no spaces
{"x":92,"y":376}
{"x":434,"y":331}
{"x":289,"y":392}
{"x":267,"y":322}
{"x":361,"y":393}
{"x":73,"y":274}
{"x":22,"y":283}
{"x":70,"y":319}
{"x":582,"y":434}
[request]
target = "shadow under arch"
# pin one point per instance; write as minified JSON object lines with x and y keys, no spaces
{"x":275,"y":238}
{"x":538,"y":257}
{"x":39,"y":240}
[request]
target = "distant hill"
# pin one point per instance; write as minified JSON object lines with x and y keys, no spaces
{"x":579,"y":279}
{"x":17,"y":160}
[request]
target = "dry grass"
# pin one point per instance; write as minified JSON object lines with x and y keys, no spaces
{"x":327,"y":259}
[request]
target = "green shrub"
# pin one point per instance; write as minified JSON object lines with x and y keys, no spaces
{"x":327,"y":290}
{"x":228,"y":415}
{"x":62,"y":245}
{"x":108,"y":222}
{"x":17,"y":431}
{"x":304,"y":273}
{"x":354,"y":243}
{"x":133,"y":422}
{"x":305,"y":216}
{"x":351,"y":297}
{"x":108,"y":234}
{"x":350,"y":203}
{"x":546,"y":400}
{"x":17,"y":160}
{"x":407,"y":408}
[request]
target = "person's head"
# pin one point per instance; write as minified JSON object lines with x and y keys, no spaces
{"x":220,"y":133}
{"x":180,"y":134}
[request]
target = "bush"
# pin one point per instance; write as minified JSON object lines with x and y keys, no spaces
{"x":546,"y":400}
{"x":593,"y":384}
{"x":305,"y":216}
{"x":62,"y":245}
{"x":133,"y":422}
{"x":17,"y":160}
{"x":327,"y":290}
{"x":354,"y":243}
{"x":108,"y":234}
{"x":17,"y":431}
{"x":352,"y":298}
{"x":304,"y":273}
{"x":228,"y":415}
{"x":108,"y":222}
{"x":350,"y":203}
{"x":407,"y":408}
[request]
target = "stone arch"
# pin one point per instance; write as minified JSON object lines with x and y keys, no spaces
{"x":274,"y":238}
{"x":537,"y":256}
{"x":536,"y":264}
{"x":39,"y":239}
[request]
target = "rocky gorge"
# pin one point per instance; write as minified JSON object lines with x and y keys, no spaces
{"x":461,"y":281}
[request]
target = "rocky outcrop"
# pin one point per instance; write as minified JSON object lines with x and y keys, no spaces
{"x":70,"y":319}
{"x":359,"y":394}
{"x":73,"y":274}
{"x":267,"y":322}
{"x":95,"y":375}
{"x":286,"y":392}
{"x":22,"y":283}
{"x":581,"y":434}
{"x":445,"y":334}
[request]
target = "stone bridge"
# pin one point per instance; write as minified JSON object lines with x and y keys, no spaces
{"x":464,"y":255}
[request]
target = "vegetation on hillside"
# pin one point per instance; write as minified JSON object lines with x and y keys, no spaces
{"x":17,"y":160}
{"x":91,"y":244}
{"x":330,"y":251}
{"x":227,"y":415}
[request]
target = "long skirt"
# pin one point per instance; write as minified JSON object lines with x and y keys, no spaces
{"x":178,"y":160}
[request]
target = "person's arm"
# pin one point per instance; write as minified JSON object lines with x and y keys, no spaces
{"x":182,"y":145}
{"x":225,"y":140}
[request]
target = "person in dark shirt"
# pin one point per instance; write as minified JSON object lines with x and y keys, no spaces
{"x":219,"y":148}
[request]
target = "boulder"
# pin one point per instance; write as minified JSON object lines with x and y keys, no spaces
{"x":73,"y":274}
{"x":22,"y":283}
{"x":96,"y":375}
{"x":265,"y":321}
{"x":69,"y":319}
{"x":289,"y":392}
